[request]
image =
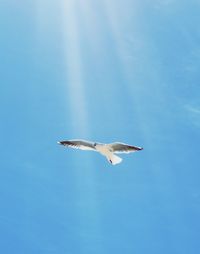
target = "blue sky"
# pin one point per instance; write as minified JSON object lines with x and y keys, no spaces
{"x":105,"y":71}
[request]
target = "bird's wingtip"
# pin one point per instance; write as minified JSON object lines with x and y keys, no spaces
{"x":58,"y":142}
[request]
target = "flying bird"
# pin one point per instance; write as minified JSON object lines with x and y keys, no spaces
{"x":108,"y":150}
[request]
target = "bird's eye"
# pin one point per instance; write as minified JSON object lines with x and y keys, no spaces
{"x":95,"y":144}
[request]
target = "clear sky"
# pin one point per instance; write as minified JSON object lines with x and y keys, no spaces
{"x":123,"y":70}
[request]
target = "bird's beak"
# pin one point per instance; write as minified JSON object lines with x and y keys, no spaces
{"x":59,"y":143}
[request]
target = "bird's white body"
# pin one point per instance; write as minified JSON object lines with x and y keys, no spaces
{"x":107,"y":150}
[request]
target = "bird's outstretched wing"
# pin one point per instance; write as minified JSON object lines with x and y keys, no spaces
{"x":78,"y":144}
{"x":123,"y":148}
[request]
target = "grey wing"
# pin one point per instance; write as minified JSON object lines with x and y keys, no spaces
{"x":78,"y":144}
{"x":123,"y":148}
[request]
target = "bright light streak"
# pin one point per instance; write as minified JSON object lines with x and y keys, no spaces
{"x":76,"y":96}
{"x":75,"y":80}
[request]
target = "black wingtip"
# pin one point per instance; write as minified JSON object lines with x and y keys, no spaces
{"x":137,"y":148}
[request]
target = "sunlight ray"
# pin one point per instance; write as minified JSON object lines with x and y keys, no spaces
{"x":92,"y":27}
{"x":132,"y":50}
{"x":85,"y":187}
{"x":75,"y":79}
{"x":118,"y":17}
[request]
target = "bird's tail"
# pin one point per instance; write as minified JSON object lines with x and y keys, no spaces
{"x":114,"y":159}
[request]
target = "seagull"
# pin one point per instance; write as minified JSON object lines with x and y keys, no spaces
{"x":107,"y":150}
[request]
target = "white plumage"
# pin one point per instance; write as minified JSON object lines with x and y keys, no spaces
{"x":108,"y":150}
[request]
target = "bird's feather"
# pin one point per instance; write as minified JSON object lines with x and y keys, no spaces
{"x":123,"y":148}
{"x":78,"y":144}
